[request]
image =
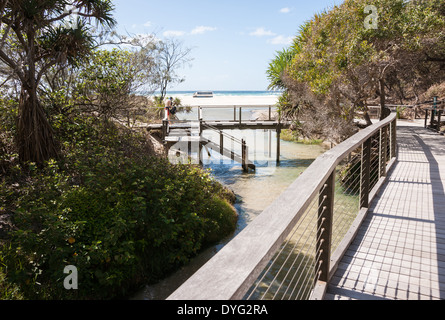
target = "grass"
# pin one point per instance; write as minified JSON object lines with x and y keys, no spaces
{"x":292,"y":136}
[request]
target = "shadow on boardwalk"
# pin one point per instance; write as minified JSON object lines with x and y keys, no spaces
{"x":399,"y":252}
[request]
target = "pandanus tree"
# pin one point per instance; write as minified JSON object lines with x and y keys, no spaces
{"x":36,"y":35}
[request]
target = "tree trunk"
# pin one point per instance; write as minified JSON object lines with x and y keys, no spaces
{"x":35,"y":138}
{"x":383,"y":109}
{"x":362,"y":105}
{"x":367,"y":118}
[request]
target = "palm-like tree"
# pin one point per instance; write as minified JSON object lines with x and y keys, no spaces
{"x":34,"y":37}
{"x":277,"y":69}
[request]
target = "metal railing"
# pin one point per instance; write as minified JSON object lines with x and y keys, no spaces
{"x":230,"y":153}
{"x":434,"y":113}
{"x":292,"y":249}
{"x":238,"y":111}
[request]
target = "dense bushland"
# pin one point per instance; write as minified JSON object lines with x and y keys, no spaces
{"x":355,"y":55}
{"x":76,"y":186}
{"x":108,"y":206}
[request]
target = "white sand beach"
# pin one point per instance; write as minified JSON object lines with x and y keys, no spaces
{"x":227,"y":100}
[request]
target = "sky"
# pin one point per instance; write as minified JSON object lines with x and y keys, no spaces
{"x":232,"y":41}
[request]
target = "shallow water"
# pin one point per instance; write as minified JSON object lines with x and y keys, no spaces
{"x":255,"y":190}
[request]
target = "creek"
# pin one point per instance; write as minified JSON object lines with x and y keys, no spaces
{"x":255,"y":190}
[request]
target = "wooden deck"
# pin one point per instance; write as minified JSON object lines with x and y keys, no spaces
{"x":399,"y":252}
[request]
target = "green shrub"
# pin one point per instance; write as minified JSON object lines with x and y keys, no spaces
{"x":122,"y":217}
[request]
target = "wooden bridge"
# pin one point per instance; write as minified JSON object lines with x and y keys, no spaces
{"x":184,"y":133}
{"x":365,"y":221}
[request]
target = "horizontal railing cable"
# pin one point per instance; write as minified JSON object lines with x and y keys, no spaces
{"x":286,"y":251}
{"x":285,"y":245}
{"x":225,"y":134}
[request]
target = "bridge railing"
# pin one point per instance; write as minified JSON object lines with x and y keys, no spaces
{"x":269,"y":112}
{"x":232,"y":140}
{"x":292,"y":249}
{"x":434,"y":111}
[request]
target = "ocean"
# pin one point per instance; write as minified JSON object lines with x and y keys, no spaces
{"x":241,"y":93}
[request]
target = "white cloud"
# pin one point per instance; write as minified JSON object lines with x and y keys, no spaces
{"x":173,"y":33}
{"x":285,"y":10}
{"x":261,"y":32}
{"x":147,"y":24}
{"x":281,"y":40}
{"x":202,"y":29}
{"x":195,"y":31}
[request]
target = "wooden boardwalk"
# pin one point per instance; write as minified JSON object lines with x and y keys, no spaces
{"x":399,"y":252}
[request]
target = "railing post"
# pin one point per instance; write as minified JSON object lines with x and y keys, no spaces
{"x":278,"y":143}
{"x":393,"y":138}
{"x":200,"y":118}
{"x":383,"y":150}
{"x":164,"y":129}
{"x":426,"y":118}
{"x":324,"y":229}
{"x":365,"y":174}
{"x":240,"y":110}
{"x":439,"y":114}
{"x":433,"y":115}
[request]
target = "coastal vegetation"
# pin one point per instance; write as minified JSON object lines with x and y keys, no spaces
{"x":292,"y":136}
{"x":79,"y":186}
{"x":352,"y":56}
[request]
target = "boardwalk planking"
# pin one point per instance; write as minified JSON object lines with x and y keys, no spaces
{"x":399,"y":252}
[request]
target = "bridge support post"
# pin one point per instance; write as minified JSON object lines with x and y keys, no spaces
{"x":244,"y":155}
{"x":200,"y":160}
{"x":221,"y":143}
{"x":324,"y":229}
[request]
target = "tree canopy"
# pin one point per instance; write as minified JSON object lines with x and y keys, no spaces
{"x":35,"y":36}
{"x":353,"y":54}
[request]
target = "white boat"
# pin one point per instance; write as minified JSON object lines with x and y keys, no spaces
{"x":203,"y":94}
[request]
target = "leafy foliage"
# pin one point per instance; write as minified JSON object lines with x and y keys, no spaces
{"x":338,"y":66}
{"x":120,"y":216}
{"x":34,"y":39}
{"x":106,"y":83}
